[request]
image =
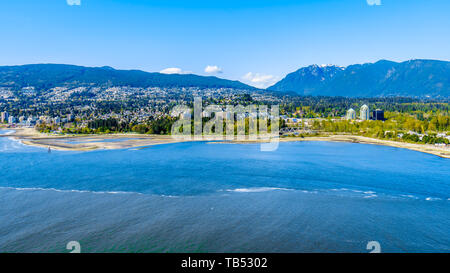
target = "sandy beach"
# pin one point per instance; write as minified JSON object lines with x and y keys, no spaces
{"x":30,"y":136}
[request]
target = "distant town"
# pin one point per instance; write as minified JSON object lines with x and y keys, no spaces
{"x":105,"y":110}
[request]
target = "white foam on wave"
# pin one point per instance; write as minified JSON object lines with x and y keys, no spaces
{"x":432,"y":199}
{"x":68,"y":191}
{"x":261,"y":189}
{"x":371,"y":196}
{"x":13,"y":144}
{"x":353,"y":190}
{"x":409,"y":196}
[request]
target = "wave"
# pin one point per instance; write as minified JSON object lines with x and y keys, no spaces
{"x":432,"y":199}
{"x":69,"y":191}
{"x":261,"y":189}
{"x":11,"y":144}
{"x":370,"y":196}
{"x":409,"y":196}
{"x":361,"y":194}
{"x":367,"y":194}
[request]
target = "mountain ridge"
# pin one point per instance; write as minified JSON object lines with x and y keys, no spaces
{"x":413,"y":78}
{"x":45,"y":76}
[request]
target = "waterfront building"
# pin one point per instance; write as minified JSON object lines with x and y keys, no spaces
{"x":11,"y":120}
{"x":378,"y":114}
{"x":4,"y":117}
{"x":57,"y":120}
{"x":364,"y":113}
{"x":351,"y":114}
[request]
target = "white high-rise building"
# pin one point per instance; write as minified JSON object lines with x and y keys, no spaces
{"x":351,"y":114}
{"x":57,"y":120}
{"x":4,"y":117}
{"x":364,"y":114}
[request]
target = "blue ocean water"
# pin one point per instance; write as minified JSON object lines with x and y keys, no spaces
{"x":211,"y":197}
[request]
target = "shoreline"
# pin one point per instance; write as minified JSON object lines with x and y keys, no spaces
{"x":29,"y":136}
{"x":424,"y":148}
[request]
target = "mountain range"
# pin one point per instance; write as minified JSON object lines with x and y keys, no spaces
{"x":45,"y":76}
{"x":414,"y":78}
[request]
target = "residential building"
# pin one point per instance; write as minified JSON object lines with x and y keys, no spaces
{"x":378,"y":114}
{"x":4,"y":117}
{"x":351,"y":114}
{"x":364,"y":113}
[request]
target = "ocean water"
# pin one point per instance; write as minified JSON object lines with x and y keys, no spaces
{"x":210,"y":197}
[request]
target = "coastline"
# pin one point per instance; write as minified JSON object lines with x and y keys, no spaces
{"x":424,"y":148}
{"x":29,"y":136}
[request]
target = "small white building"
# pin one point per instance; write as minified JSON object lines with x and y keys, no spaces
{"x":351,"y":114}
{"x":57,"y":120}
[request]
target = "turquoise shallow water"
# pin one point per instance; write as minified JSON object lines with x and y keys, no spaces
{"x":196,"y":197}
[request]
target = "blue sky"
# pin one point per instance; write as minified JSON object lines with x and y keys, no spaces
{"x":255,"y":41}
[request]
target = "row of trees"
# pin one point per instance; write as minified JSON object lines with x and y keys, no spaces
{"x":429,"y":139}
{"x":157,"y":126}
{"x":397,"y":123}
{"x":325,"y":107}
{"x":162,"y":126}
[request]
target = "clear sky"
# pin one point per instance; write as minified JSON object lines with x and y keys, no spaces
{"x":255,"y":41}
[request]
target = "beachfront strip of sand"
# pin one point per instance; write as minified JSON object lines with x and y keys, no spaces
{"x":30,"y":136}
